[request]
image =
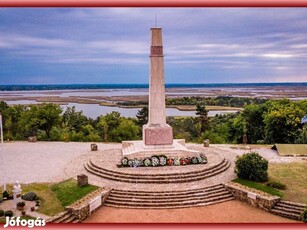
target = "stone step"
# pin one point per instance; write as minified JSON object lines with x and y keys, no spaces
{"x":286,"y":214}
{"x":160,"y":181}
{"x":166,"y":199}
{"x":292,"y":204}
{"x":59,"y":216}
{"x":290,"y":210}
{"x":63,"y":218}
{"x":162,"y":193}
{"x":75,"y":221}
{"x":288,"y":206}
{"x":70,"y":219}
{"x":176,"y":175}
{"x":171,"y":204}
{"x":168,"y":196}
{"x":171,"y":207}
{"x":166,"y":180}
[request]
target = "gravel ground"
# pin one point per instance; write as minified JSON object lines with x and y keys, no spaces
{"x":47,"y":161}
{"x":41,"y":161}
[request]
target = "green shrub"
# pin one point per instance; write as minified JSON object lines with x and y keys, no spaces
{"x":304,"y":216}
{"x":1,"y":212}
{"x":5,"y":194}
{"x":9,"y":213}
{"x":30,"y":196}
{"x":252,"y":166}
{"x":277,"y":185}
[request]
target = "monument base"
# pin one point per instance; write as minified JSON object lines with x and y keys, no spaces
{"x":139,"y":149}
{"x":158,"y":135}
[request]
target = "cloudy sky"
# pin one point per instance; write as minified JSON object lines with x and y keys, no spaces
{"x":111,"y":45}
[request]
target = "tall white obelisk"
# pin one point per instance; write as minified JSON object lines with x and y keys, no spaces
{"x":156,"y":131}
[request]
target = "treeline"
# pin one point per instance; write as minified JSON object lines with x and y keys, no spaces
{"x":48,"y":122}
{"x":217,"y":101}
{"x":274,"y":121}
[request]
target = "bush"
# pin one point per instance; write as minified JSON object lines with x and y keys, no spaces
{"x":9,"y":213}
{"x":304,"y":216}
{"x":1,"y":212}
{"x":30,"y":196}
{"x":277,"y":185}
{"x":252,"y":166}
{"x":5,"y":194}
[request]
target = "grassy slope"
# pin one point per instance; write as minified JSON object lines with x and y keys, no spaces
{"x":294,"y":175}
{"x":50,"y":205}
{"x":55,"y":197}
{"x":259,"y":186}
{"x":68,"y":191}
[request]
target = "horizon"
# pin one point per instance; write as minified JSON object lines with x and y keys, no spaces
{"x":50,"y":46}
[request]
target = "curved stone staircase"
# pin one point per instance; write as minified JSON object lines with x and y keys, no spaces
{"x":157,"y":178}
{"x":168,"y":199}
{"x":64,"y":217}
{"x":289,"y":209}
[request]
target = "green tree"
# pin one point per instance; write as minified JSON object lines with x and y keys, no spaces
{"x":103,"y":124}
{"x":40,"y":117}
{"x":202,"y":114}
{"x":254,"y":122}
{"x":127,"y":130}
{"x":142,"y":116}
{"x":73,"y":119}
{"x":49,"y":116}
{"x":282,"y":121}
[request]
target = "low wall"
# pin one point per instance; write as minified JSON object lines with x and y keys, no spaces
{"x":82,"y":208}
{"x":251,"y":196}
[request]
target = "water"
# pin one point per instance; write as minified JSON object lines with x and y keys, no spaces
{"x":142,"y":86}
{"x":95,"y":110}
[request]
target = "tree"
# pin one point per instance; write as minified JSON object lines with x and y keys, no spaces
{"x":40,"y":117}
{"x":202,"y":113}
{"x":73,"y":119}
{"x":252,"y":115}
{"x":142,"y":116}
{"x":282,"y":121}
{"x":49,"y":116}
{"x":126,"y":130}
{"x":108,"y":123}
{"x":104,"y":125}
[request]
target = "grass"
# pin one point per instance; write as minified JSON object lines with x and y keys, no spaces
{"x":68,"y":191}
{"x":294,"y":175}
{"x":54,"y":197}
{"x":259,"y":186}
{"x":50,"y":205}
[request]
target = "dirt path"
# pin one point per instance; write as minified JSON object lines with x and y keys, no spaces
{"x":227,"y":212}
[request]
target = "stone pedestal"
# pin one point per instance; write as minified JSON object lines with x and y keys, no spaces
{"x":17,"y":193}
{"x":94,"y":147}
{"x":82,"y":180}
{"x":157,"y":135}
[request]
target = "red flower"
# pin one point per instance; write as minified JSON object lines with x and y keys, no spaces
{"x":170,"y":162}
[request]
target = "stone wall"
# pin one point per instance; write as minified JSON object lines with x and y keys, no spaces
{"x":251,"y":196}
{"x":81,"y":208}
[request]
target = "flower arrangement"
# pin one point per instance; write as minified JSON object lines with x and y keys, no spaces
{"x":162,"y":160}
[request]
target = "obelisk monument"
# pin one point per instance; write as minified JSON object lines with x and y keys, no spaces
{"x":157,"y":135}
{"x":156,"y":131}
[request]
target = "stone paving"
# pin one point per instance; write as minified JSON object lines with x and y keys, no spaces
{"x":76,"y":167}
{"x":56,"y":161}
